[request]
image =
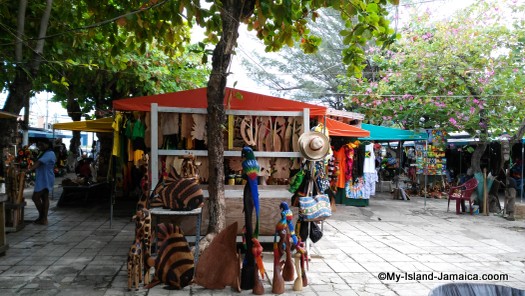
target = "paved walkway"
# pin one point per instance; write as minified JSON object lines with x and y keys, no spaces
{"x":79,"y":254}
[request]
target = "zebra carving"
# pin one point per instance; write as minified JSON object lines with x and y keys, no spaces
{"x":176,"y":193}
{"x":174,"y":265}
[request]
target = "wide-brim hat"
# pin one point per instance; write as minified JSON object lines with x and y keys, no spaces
{"x":314,"y":145}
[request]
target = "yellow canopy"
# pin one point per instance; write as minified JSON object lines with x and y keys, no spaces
{"x":102,"y":125}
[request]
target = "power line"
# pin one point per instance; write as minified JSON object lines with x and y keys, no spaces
{"x":95,"y":25}
{"x":419,"y":96}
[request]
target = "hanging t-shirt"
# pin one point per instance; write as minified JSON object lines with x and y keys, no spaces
{"x":116,"y":134}
{"x":370,"y":159}
{"x":340,"y":157}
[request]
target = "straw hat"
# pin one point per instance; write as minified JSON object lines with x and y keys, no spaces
{"x":314,"y":145}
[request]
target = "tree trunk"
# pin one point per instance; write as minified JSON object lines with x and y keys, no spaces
{"x":475,"y":161}
{"x":20,"y":88}
{"x":230,"y":15}
{"x":106,"y":145}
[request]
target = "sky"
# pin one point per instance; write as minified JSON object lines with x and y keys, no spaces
{"x":40,"y":107}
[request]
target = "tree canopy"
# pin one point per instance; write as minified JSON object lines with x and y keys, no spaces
{"x":464,"y":73}
{"x":103,"y":33}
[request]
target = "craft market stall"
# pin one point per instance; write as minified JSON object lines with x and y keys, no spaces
{"x":95,"y":185}
{"x":11,"y":198}
{"x":390,"y":161}
{"x":171,"y":128}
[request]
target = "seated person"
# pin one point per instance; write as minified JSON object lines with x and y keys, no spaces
{"x":462,"y":180}
{"x":83,"y":168}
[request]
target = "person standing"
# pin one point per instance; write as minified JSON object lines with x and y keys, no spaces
{"x":45,"y":179}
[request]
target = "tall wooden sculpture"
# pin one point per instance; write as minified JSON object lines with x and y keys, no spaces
{"x":250,"y":169}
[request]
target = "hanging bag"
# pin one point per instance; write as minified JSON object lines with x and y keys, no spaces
{"x":315,"y":232}
{"x":314,"y":207}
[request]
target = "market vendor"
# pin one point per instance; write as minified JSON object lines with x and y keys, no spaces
{"x":83,"y":168}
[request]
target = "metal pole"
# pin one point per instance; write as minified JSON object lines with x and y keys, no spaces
{"x":522,"y":177}
{"x":425,"y":170}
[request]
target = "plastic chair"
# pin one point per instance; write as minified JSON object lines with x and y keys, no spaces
{"x":462,"y":192}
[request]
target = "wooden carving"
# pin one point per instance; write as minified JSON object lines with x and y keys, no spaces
{"x":235,"y":164}
{"x":278,"y":131}
{"x":297,"y":130}
{"x":298,"y":283}
{"x":219,"y":265}
{"x":265,"y":163}
{"x":199,"y":131}
{"x":287,"y":139}
{"x":174,"y":265}
{"x":247,"y":131}
{"x":203,"y":163}
{"x":264,"y":126}
{"x":186,"y":125}
{"x":281,"y":168}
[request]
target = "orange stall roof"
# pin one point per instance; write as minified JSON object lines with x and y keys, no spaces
{"x":196,"y":98}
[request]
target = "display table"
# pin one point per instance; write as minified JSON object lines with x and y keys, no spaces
{"x":14,"y":213}
{"x":3,"y":242}
{"x":84,"y":191}
{"x":160,"y":212}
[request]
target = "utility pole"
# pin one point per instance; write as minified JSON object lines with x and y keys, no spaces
{"x":25,"y":138}
{"x":47,"y":111}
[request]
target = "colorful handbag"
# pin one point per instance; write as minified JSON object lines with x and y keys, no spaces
{"x":314,"y":207}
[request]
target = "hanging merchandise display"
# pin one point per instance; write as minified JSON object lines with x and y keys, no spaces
{"x":430,"y":158}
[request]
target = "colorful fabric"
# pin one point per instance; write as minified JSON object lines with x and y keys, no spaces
{"x":349,"y":159}
{"x":370,"y":184}
{"x":355,"y":189}
{"x":340,"y":157}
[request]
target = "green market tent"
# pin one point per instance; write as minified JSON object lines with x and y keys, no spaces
{"x":382,"y":133}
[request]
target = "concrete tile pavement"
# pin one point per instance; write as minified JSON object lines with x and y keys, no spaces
{"x":79,"y":254}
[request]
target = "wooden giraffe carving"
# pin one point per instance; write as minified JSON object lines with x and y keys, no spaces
{"x":135,"y":265}
{"x":143,"y":235}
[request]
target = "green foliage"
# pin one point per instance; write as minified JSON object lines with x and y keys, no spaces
{"x":99,"y":51}
{"x":463,"y":73}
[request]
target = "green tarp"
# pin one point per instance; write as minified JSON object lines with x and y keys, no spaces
{"x":382,"y":133}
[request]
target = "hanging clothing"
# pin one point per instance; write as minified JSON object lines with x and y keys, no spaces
{"x":370,"y":180}
{"x":370,"y":173}
{"x":359,"y":161}
{"x":332,"y":170}
{"x":349,"y":159}
{"x":340,"y":157}
{"x":355,"y":189}
{"x":117,"y":124}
